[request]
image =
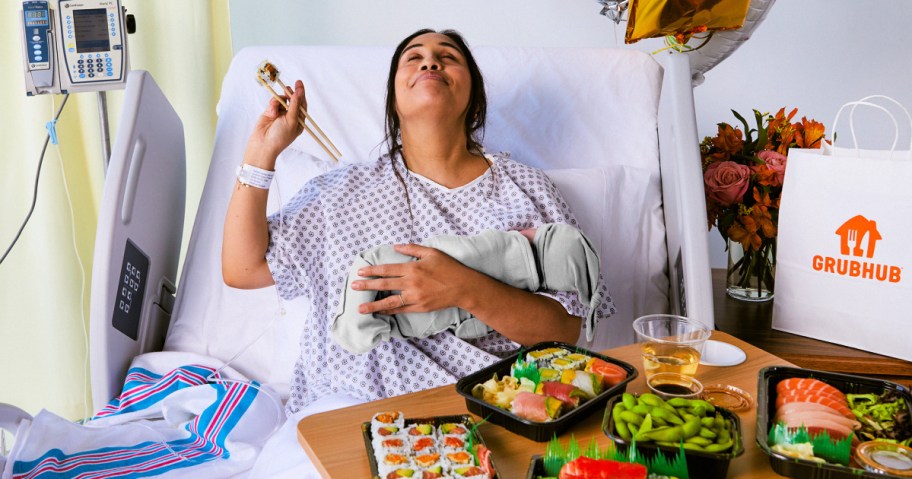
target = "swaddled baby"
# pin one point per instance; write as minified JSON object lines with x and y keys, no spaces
{"x":558,"y":258}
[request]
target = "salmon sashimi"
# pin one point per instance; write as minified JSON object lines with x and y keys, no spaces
{"x":792,"y":407}
{"x":807,"y":384}
{"x":788,"y":416}
{"x":835,"y":429}
{"x":798,"y":393}
{"x":816,"y":398}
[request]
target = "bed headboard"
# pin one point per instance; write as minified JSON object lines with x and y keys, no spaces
{"x":590,"y":117}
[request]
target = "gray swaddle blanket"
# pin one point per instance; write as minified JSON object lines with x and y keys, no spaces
{"x":559,"y":258}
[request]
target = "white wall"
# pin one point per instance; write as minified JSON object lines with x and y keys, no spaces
{"x":811,"y":54}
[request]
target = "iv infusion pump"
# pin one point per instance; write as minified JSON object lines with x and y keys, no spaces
{"x":72,"y":46}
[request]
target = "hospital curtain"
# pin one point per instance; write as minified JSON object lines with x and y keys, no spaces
{"x":186,"y":46}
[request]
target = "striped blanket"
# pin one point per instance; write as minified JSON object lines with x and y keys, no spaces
{"x":178,"y":420}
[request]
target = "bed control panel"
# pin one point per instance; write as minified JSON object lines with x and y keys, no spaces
{"x":128,"y":300}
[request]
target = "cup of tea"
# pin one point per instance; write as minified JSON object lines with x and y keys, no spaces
{"x":670,"y":343}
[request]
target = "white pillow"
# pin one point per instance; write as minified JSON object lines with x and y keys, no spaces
{"x":620,"y":210}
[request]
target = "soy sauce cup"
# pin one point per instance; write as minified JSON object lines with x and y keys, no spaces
{"x":674,"y":385}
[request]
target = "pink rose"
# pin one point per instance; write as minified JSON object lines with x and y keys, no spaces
{"x":775,"y":161}
{"x":726,"y":182}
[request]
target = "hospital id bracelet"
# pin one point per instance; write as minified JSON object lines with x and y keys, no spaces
{"x":249,"y":175}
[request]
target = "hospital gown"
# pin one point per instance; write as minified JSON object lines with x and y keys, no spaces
{"x":314,"y":238}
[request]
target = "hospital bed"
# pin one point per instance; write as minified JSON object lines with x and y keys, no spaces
{"x":614,"y":130}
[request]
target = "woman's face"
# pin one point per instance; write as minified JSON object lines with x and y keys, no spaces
{"x":432,"y":78}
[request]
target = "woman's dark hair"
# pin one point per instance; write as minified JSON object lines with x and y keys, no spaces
{"x":478,"y":100}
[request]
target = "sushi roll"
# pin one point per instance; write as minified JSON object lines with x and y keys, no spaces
{"x":563,"y":364}
{"x":418,"y":430}
{"x":384,"y":431}
{"x":402,"y":472}
{"x":423,"y":445}
{"x":473,"y":472}
{"x":577,"y":358}
{"x":428,"y":461}
{"x":452,"y":443}
{"x":387,"y":419}
{"x":540,"y":355}
{"x":391,"y":462}
{"x":433,"y":472}
{"x":397,"y":444}
{"x":459,"y":459}
{"x":549,"y":374}
{"x":453,"y":429}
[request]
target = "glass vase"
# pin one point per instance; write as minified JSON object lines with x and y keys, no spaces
{"x":751,"y":274}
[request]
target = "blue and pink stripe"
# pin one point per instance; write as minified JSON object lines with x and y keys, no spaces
{"x":206,"y":440}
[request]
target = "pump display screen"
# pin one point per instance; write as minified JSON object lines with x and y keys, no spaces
{"x":91,"y":30}
{"x":35,"y":14}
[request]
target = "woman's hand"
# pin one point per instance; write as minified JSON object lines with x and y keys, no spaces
{"x":276,"y":128}
{"x":432,"y":283}
{"x":438,"y":281}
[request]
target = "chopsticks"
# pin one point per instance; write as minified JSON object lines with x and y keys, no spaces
{"x":267,"y":72}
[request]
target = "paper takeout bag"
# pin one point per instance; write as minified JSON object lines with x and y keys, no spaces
{"x":845,"y":246}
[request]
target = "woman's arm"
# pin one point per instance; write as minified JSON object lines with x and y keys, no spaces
{"x":246,"y":235}
{"x":437,"y":281}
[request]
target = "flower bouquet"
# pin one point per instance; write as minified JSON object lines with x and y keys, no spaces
{"x":742,"y":178}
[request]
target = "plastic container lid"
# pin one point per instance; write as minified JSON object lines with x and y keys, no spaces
{"x":727,"y":396}
{"x":885,"y":457}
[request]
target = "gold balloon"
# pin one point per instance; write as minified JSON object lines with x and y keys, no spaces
{"x":682,"y":18}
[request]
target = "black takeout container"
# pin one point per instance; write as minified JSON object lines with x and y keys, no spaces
{"x":700,"y":464}
{"x":436,"y":421}
{"x":537,"y":431}
{"x":787,"y":466}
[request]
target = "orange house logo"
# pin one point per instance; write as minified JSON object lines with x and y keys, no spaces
{"x":853,"y":232}
{"x":858,"y":238}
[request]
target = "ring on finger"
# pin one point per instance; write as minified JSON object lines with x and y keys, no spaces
{"x":401,"y":300}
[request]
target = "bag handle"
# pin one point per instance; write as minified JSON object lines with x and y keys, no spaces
{"x":864,"y":102}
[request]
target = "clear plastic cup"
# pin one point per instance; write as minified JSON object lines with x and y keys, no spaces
{"x":670,"y":343}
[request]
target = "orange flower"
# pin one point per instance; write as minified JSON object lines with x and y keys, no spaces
{"x":809,"y":133}
{"x":763,"y":219}
{"x":744,"y":230}
{"x":763,"y":201}
{"x":764,"y":175}
{"x":728,"y":141}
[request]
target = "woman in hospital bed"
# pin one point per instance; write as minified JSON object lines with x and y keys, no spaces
{"x":434,"y":180}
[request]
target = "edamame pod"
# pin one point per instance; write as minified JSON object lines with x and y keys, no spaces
{"x":634,"y":429}
{"x":691,"y":427}
{"x":631,"y":417}
{"x":641,"y":409}
{"x":628,"y":400}
{"x":668,"y":433}
{"x":647,"y":424}
{"x":718,"y":447}
{"x":707,"y":421}
{"x":722,"y":435}
{"x":695,"y":447}
{"x":707,"y":433}
{"x":651,"y":399}
{"x":679,"y":402}
{"x":702,"y":441}
{"x":661,"y":413}
{"x":622,"y":430}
